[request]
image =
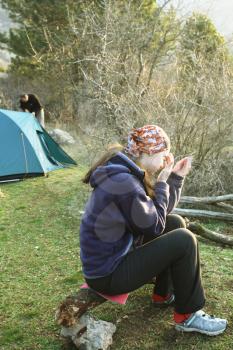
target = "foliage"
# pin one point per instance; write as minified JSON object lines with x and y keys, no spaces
{"x":36,"y":21}
{"x":107,"y":66}
{"x":200,"y":42}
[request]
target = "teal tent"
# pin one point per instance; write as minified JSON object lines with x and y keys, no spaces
{"x":26,"y":149}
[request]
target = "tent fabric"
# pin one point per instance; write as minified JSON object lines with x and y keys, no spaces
{"x":26,"y":148}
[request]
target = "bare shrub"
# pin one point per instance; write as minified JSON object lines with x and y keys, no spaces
{"x":121,"y":65}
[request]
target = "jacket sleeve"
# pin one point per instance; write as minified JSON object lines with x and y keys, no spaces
{"x":143,"y":215}
{"x":175,"y":183}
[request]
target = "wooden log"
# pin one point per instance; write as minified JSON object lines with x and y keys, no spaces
{"x":203,"y":214}
{"x":214,"y":199}
{"x":74,"y":306}
{"x":226,"y":206}
{"x":206,"y":233}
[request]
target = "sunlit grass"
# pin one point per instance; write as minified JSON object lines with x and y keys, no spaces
{"x":40,"y":265}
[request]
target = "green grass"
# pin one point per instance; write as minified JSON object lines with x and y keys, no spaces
{"x":40,"y":266}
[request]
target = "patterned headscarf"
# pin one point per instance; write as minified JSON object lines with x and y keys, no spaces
{"x":148,"y":139}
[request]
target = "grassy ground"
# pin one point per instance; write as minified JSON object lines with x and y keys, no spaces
{"x":39,"y":265}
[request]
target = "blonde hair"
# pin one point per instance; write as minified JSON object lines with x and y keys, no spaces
{"x":147,"y":181}
{"x":111,"y":152}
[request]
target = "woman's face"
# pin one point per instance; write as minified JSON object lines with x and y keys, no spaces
{"x":155,"y":162}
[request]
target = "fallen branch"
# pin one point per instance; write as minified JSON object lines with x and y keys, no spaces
{"x":193,"y":200}
{"x":213,"y":236}
{"x":203,"y":214}
{"x":226,"y":206}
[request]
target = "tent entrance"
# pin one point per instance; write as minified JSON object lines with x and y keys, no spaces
{"x":46,"y":148}
{"x":53,"y":151}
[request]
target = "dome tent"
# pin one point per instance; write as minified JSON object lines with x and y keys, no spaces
{"x":27,"y":150}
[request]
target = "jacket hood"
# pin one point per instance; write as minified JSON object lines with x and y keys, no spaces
{"x":119,"y":165}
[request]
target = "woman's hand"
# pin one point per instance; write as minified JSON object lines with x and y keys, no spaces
{"x":166,"y":171}
{"x":183,"y":166}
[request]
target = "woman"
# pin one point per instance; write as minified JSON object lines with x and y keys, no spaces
{"x":127,"y":237}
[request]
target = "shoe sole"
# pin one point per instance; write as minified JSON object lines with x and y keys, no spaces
{"x":185,"y":329}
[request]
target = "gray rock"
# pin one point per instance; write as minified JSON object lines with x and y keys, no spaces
{"x":71,"y":332}
{"x":62,"y":137}
{"x":90,"y":334}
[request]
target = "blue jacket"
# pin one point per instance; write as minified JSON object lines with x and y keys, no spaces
{"x":119,"y":211}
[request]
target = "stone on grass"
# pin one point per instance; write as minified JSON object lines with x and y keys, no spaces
{"x":62,"y":137}
{"x":90,"y":334}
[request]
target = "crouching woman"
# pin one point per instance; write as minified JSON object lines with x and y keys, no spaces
{"x":128,"y":237}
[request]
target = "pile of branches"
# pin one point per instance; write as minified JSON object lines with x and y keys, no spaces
{"x":216,"y":201}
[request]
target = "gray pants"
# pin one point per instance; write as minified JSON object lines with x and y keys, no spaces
{"x":40,"y":117}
